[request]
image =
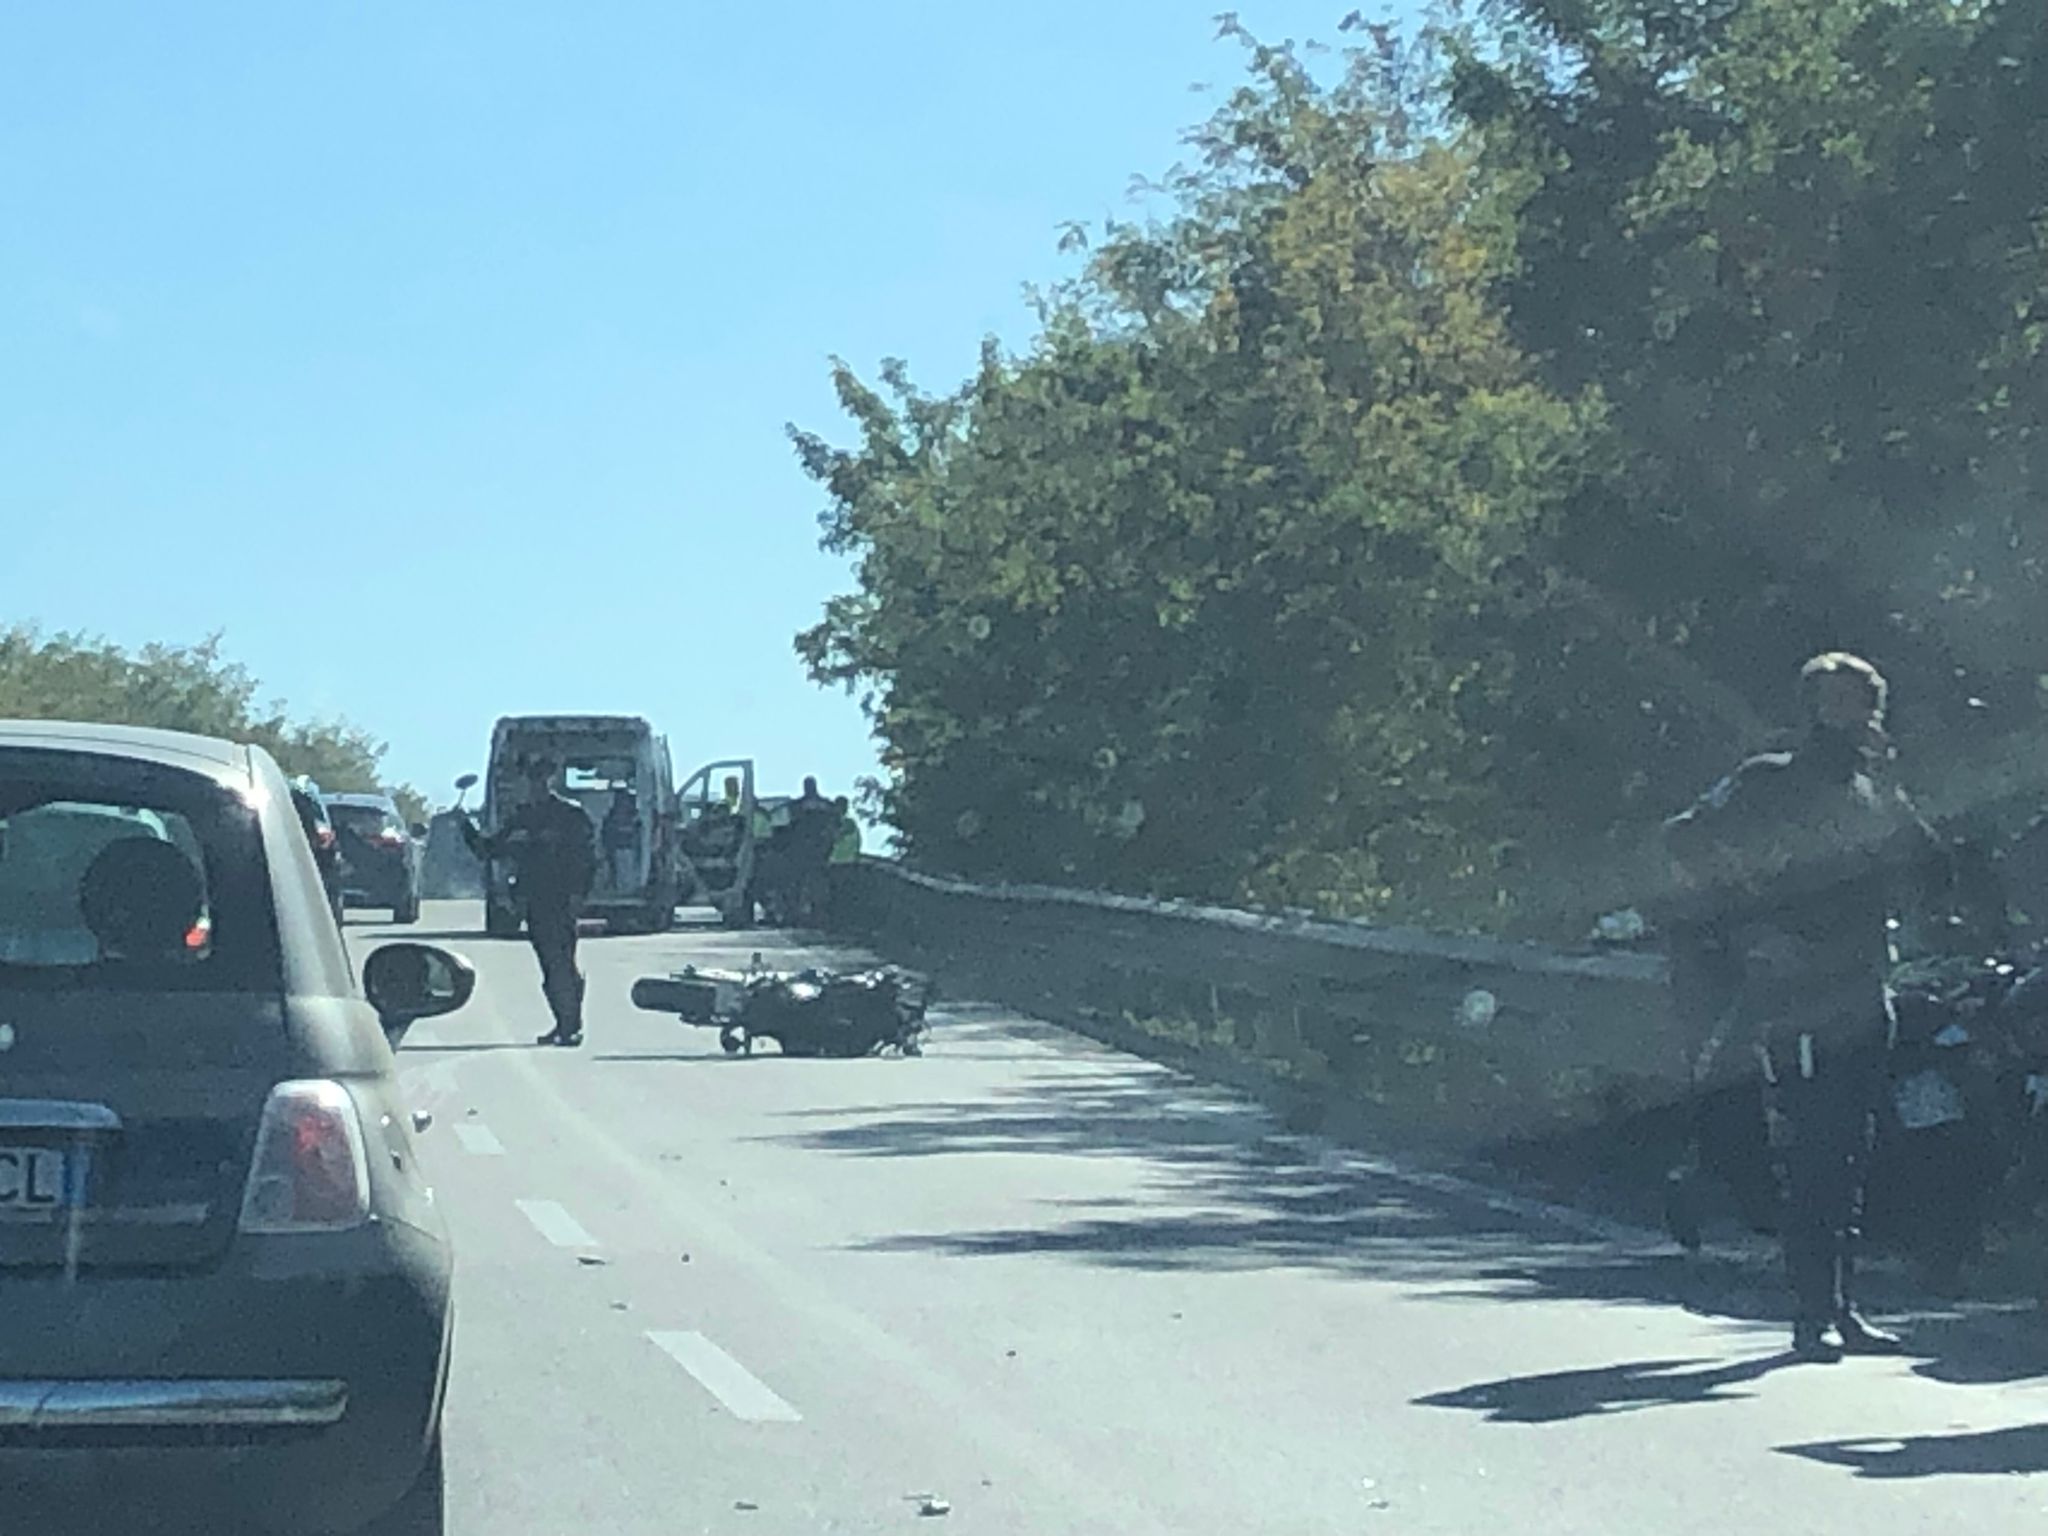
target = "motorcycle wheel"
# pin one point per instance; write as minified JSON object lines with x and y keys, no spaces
{"x":735,"y":1042}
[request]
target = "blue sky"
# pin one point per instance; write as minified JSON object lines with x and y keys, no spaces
{"x":440,"y":355}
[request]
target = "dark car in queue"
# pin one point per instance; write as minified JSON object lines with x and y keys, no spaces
{"x":226,"y":1282}
{"x":380,"y":854}
{"x":311,"y":804}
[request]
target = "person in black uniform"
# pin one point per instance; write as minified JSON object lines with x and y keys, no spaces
{"x":553,"y":849}
{"x":1786,"y":874}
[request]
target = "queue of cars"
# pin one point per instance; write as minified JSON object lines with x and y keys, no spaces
{"x":228,"y":1286}
{"x":369,"y":855}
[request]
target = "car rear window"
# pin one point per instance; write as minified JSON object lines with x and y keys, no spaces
{"x":116,"y":873}
{"x":362,"y":820}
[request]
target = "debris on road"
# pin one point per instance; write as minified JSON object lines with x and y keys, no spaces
{"x":745,"y":1504}
{"x":593,"y":1260}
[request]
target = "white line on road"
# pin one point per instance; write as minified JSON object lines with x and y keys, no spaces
{"x":556,"y":1224}
{"x":479,"y":1140}
{"x":742,"y":1393}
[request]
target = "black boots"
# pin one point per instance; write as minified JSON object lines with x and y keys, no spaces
{"x":1860,"y":1338}
{"x":1826,"y":1343}
{"x":1815,"y":1344}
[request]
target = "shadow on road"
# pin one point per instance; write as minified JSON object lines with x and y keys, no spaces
{"x":1563,"y":1395}
{"x":1986,"y":1453}
{"x":1220,"y":1190}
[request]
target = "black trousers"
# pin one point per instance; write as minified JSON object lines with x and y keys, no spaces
{"x":551,"y":929}
{"x":1823,"y":1126}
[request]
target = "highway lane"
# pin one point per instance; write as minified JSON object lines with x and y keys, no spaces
{"x":1033,"y":1285}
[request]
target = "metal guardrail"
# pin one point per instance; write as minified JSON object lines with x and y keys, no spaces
{"x":1454,"y":1036}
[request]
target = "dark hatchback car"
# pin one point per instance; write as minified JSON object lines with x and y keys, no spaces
{"x":224,"y":1282}
{"x":380,"y":855}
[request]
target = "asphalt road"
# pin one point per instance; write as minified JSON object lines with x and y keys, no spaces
{"x":1062,"y":1290}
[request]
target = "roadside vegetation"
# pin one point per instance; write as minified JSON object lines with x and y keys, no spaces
{"x":193,"y":688}
{"x":1444,"y":470}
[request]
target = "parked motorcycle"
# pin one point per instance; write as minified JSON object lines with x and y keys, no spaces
{"x":1951,"y":1129}
{"x":1962,"y":1132}
{"x":806,"y":1013}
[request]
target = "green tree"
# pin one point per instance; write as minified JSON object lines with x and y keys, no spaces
{"x":192,"y":688}
{"x":1802,"y":247}
{"x":1195,"y":594}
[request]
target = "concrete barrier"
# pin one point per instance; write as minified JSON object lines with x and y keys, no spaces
{"x":1462,"y":1041}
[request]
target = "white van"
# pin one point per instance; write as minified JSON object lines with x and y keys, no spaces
{"x":619,"y":770}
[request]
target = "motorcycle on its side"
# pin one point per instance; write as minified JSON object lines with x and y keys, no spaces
{"x":809,"y":1012}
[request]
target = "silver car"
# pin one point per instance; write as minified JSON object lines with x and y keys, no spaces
{"x":226,"y":1283}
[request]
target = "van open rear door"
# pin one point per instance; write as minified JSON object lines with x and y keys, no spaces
{"x":715,"y":821}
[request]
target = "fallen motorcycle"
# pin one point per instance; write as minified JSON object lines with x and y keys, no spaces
{"x":1962,"y":1130}
{"x":806,"y":1013}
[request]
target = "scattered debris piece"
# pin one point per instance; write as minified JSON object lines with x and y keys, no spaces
{"x":934,"y":1508}
{"x":593,"y":1260}
{"x":745,"y":1504}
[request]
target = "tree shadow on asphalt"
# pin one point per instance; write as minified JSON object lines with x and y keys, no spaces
{"x":2019,"y":1450}
{"x":1219,"y":1189}
{"x":1562,"y":1395}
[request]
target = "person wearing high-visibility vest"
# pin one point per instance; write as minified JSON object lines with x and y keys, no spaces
{"x":843,"y":859}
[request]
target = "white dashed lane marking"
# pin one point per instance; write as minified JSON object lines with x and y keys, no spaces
{"x":737,"y":1388}
{"x":479,"y":1140}
{"x":556,"y":1224}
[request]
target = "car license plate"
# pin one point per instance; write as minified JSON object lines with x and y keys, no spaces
{"x":40,"y":1180}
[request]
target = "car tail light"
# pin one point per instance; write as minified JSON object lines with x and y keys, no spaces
{"x":326,"y":836}
{"x":311,"y":1172}
{"x":390,"y":837}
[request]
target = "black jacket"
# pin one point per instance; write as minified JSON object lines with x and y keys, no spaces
{"x":1786,"y":873}
{"x":552,"y":846}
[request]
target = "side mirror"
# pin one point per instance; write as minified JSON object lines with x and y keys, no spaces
{"x":406,"y":982}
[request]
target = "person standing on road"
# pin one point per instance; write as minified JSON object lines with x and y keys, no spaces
{"x":843,"y":858}
{"x":553,"y":850}
{"x":622,"y":837}
{"x":1787,"y":872}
